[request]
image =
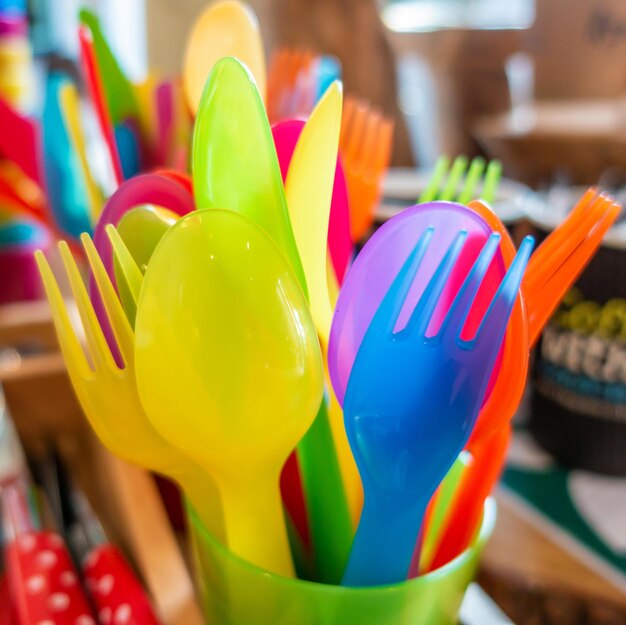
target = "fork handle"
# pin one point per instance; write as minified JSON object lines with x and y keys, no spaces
{"x":384,"y":543}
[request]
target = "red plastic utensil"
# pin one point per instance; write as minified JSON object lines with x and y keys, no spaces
{"x":115,"y":590}
{"x":96,"y":92}
{"x":43,"y":582}
{"x":21,"y":142}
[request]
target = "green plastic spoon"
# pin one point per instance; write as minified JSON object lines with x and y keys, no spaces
{"x":234,"y":161}
{"x":119,"y":91}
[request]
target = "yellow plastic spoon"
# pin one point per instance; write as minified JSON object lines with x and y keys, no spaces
{"x":229,"y":368}
{"x":227,"y":28}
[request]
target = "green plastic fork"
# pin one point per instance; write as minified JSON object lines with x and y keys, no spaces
{"x":444,"y":185}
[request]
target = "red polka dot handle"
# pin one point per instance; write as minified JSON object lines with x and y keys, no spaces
{"x":43,"y":584}
{"x":117,"y":594}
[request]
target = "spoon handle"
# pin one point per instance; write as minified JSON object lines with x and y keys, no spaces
{"x":254,"y":521}
{"x":202,"y":493}
{"x":384,"y":543}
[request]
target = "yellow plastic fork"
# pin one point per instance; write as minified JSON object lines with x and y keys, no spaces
{"x":107,"y":391}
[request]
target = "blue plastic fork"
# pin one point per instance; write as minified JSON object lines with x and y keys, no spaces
{"x":412,"y":400}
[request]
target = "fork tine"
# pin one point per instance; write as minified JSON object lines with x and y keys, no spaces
{"x":562,"y":232}
{"x":130,"y":271}
{"x":546,"y":265}
{"x":420,"y":317}
{"x":497,"y":316}
{"x":71,"y":348}
{"x":117,"y":318}
{"x":356,"y":134}
{"x":434,"y":182}
{"x":96,"y":342}
{"x":471,"y":180}
{"x":459,"y":167}
{"x":492,"y":178}
{"x":544,"y":303}
{"x":455,"y":317}
{"x":346,"y":122}
{"x":386,"y":315}
{"x":382,"y":154}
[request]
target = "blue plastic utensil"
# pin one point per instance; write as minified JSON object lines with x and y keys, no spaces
{"x":413,"y":396}
{"x":66,"y":187}
{"x":380,"y":260}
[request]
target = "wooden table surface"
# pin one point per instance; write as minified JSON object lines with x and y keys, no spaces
{"x":536,"y":580}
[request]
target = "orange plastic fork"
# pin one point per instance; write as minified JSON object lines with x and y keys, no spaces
{"x":545,"y":297}
{"x":566,"y":252}
{"x":573,"y":242}
{"x":365,"y":147}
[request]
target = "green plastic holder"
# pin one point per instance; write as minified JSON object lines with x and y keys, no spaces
{"x":235,"y":592}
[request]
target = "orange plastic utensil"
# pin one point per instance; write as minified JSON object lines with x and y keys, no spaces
{"x":479,"y":477}
{"x":508,"y":389}
{"x":365,"y":148}
{"x":546,"y":283}
{"x":20,"y":193}
{"x":564,"y":240}
{"x":541,"y":308}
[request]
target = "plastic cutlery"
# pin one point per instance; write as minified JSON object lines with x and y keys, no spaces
{"x":405,"y":424}
{"x":93,"y":79}
{"x":156,"y":189}
{"x":286,"y":135}
{"x":70,"y":109}
{"x":369,"y":278}
{"x":140,"y":229}
{"x":111,"y":584}
{"x":43,"y":582}
{"x":286,"y":66}
{"x":21,"y":142}
{"x":545,"y":283}
{"x":225,"y":28}
{"x":564,"y":254}
{"x":461,"y":184}
{"x":235,"y":166}
{"x":487,"y":443}
{"x":107,"y":391}
{"x":309,"y":188}
{"x":67,"y":193}
{"x":117,"y":89}
{"x":229,"y":368}
{"x":234,"y":159}
{"x":365,"y":146}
